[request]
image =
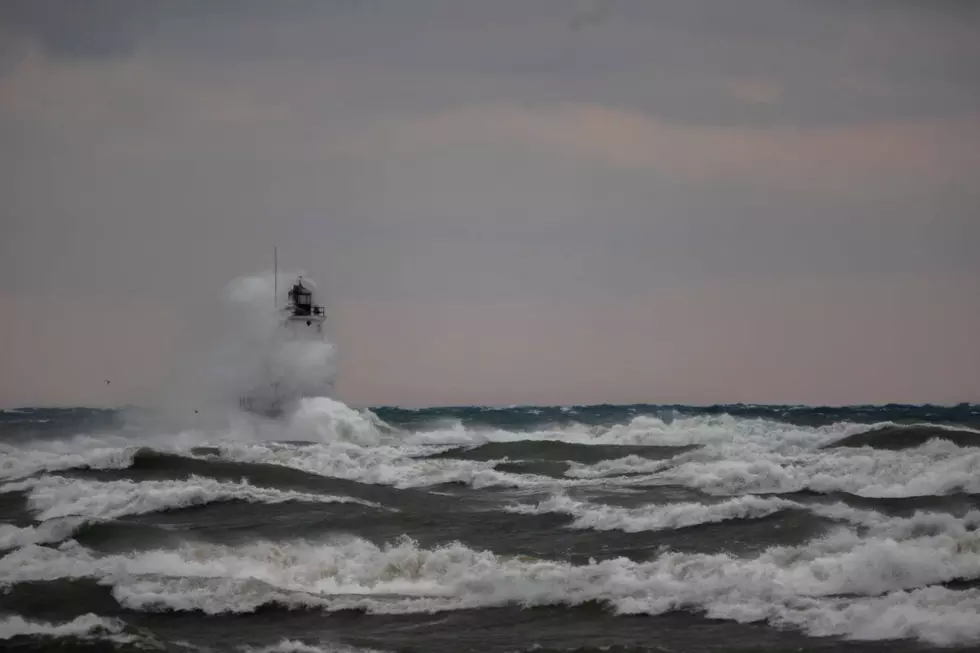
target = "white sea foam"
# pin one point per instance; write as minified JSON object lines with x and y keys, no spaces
{"x":653,"y":517}
{"x":857,"y":586}
{"x":52,"y":497}
{"x":325,"y":438}
{"x":87,"y":627}
{"x":382,"y":465}
{"x":18,"y":462}
{"x":295,"y":646}
{"x":932,"y":469}
{"x":631,"y":464}
{"x":62,"y":504}
{"x":932,"y":614}
{"x":736,"y":457}
{"x":645,"y":430}
{"x":50,"y":531}
{"x":357,"y":446}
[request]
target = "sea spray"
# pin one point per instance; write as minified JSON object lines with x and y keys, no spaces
{"x":236,"y":347}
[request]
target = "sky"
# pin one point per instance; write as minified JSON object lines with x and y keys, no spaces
{"x":508,"y":202}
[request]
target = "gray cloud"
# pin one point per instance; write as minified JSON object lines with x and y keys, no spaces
{"x":506,"y":179}
{"x":759,"y":62}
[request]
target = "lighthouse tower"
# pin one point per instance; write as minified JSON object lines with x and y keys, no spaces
{"x":303,"y":319}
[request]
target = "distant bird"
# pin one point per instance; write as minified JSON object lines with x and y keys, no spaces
{"x":107,"y":381}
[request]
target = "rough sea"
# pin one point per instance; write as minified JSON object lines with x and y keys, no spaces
{"x":602,"y":528}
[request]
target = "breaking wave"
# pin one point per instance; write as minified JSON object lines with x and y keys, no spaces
{"x":54,"y":497}
{"x":841,"y":584}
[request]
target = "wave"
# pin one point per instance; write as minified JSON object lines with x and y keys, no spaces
{"x":904,"y":436}
{"x":295,"y":646}
{"x":555,"y":451}
{"x":52,"y":497}
{"x":15,"y":626}
{"x":672,"y":516}
{"x":652,"y":431}
{"x":522,"y":418}
{"x":381,"y":465}
{"x":20,"y":462}
{"x":935,"y":468}
{"x":654,"y":517}
{"x":56,"y":530}
{"x":326,"y":420}
{"x":63,"y":505}
{"x":719,"y":455}
{"x":85,"y":627}
{"x":359,"y":452}
{"x":866,"y":587}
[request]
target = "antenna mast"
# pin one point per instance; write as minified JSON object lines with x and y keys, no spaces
{"x":275,"y":266}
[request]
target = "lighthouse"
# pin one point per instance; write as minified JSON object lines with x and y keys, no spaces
{"x":303,"y":319}
{"x":295,"y":355}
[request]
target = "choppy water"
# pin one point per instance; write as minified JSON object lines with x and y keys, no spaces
{"x":730,"y":528}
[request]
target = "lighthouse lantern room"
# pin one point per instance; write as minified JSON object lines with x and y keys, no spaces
{"x":303,"y":316}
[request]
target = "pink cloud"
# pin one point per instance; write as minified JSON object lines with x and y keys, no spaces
{"x":63,"y":352}
{"x":888,"y":153}
{"x":707,"y":343}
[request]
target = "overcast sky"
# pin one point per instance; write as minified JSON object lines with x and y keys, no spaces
{"x":502,"y":202}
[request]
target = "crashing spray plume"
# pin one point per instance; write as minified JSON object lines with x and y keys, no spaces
{"x":278,"y":354}
{"x":251,"y":351}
